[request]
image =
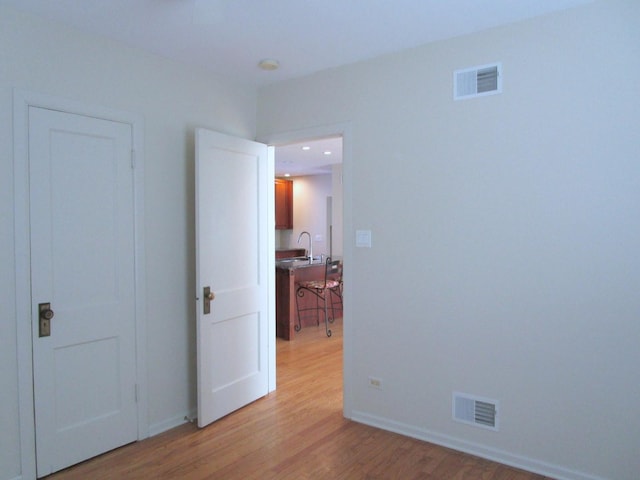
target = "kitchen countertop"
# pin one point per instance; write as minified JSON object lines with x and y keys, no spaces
{"x":300,"y":262}
{"x":296,"y":262}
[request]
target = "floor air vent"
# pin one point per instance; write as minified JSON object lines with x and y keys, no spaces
{"x":477,"y":81}
{"x":472,"y":410}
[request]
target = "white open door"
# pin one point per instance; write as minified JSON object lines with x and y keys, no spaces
{"x":232,"y":263}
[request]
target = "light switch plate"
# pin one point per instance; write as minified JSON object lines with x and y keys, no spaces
{"x":363,"y":238}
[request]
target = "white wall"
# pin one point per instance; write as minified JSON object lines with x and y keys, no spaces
{"x":45,"y":58}
{"x":505,"y":237}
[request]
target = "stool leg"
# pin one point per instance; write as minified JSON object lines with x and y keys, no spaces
{"x":298,"y":327}
{"x":330,"y":294}
{"x":326,"y":313}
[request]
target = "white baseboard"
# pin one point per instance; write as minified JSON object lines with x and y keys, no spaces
{"x":154,"y":429}
{"x":170,"y":423}
{"x":496,"y":455}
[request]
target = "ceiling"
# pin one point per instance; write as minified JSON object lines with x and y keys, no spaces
{"x":308,"y":158}
{"x":230,"y":37}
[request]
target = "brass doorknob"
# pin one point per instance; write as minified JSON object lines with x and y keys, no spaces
{"x":46,"y":314}
{"x":208,"y":297}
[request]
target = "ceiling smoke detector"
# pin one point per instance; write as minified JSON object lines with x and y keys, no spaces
{"x":269,"y":64}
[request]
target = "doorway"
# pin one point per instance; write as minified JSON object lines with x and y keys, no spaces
{"x":73,"y":154}
{"x":340,"y":204}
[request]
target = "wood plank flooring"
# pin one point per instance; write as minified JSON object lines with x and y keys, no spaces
{"x":298,"y":432}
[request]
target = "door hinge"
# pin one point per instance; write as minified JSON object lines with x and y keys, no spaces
{"x":133,"y":159}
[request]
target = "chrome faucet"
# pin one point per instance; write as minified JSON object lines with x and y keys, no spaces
{"x":310,"y":245}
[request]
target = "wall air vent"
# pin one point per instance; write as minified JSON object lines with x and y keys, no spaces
{"x":473,"y":410}
{"x":477,"y":81}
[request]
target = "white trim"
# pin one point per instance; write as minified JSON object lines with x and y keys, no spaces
{"x":22,"y":100}
{"x":493,"y":454}
{"x":345,"y":130}
{"x":23,"y":285}
{"x":271,"y":269}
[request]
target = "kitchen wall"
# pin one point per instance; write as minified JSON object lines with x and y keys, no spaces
{"x":49,"y":59}
{"x":505,"y":229}
{"x":310,"y":194}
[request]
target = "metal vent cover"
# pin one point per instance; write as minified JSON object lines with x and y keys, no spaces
{"x":474,"y":410}
{"x":477,"y":81}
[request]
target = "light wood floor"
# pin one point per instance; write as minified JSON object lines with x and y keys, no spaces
{"x":298,"y":432}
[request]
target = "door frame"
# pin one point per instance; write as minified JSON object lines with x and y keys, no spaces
{"x":343,"y":129}
{"x":22,"y":100}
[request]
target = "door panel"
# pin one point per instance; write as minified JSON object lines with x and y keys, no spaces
{"x":82,"y":262}
{"x":231,"y":258}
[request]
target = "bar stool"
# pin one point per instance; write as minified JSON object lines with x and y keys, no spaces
{"x":324,"y":291}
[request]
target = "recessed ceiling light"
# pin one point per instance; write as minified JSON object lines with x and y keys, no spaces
{"x":306,"y":147}
{"x":269,"y":64}
{"x":327,"y":152}
{"x":287,"y":174}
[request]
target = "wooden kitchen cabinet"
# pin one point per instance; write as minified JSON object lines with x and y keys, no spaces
{"x":284,"y":204}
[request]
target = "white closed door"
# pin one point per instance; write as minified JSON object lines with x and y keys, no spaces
{"x":82,"y":265}
{"x":232,"y":185}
